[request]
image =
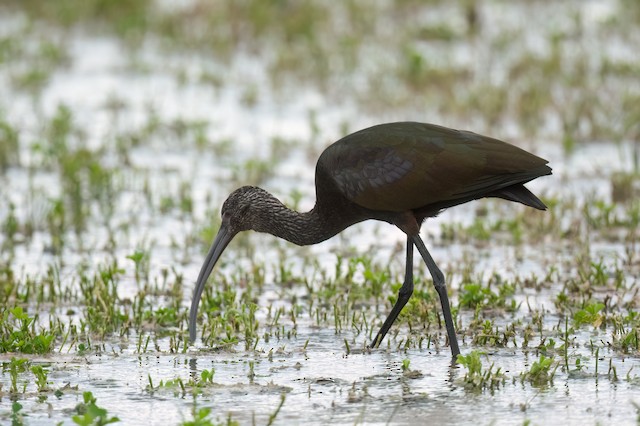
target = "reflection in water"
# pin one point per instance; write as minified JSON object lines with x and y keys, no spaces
{"x":193,"y":368}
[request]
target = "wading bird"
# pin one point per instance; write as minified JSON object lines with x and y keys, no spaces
{"x":400,"y":173}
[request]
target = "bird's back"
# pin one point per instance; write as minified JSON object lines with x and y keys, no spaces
{"x":409,"y":166}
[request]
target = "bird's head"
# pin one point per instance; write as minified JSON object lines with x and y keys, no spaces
{"x":246,"y":208}
{"x":243,"y":209}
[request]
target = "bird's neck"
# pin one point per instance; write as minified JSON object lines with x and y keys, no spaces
{"x":302,"y":229}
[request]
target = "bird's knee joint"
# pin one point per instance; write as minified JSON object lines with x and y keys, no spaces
{"x":405,"y":292}
{"x":438,"y":280}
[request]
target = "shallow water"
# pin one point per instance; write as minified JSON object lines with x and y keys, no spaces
{"x":324,"y":385}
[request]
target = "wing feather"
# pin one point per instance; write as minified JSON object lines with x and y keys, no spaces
{"x":404,"y":166}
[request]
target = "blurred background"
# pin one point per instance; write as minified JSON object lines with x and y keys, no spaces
{"x":230,"y":93}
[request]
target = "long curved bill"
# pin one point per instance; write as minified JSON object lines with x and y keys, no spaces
{"x":219,"y":244}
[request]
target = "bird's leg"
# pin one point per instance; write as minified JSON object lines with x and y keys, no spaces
{"x":441,"y":288}
{"x":403,"y":297}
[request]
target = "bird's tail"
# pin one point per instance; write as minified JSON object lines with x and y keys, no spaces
{"x":519,"y":194}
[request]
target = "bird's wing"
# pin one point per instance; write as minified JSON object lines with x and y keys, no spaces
{"x":373,"y":170}
{"x":404,"y":166}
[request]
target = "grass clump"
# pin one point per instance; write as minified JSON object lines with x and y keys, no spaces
{"x":477,"y":378}
{"x":18,"y":334}
{"x":15,"y":367}
{"x":90,"y":414}
{"x":541,"y":372}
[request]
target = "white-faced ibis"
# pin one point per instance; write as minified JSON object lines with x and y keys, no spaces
{"x":400,"y":173}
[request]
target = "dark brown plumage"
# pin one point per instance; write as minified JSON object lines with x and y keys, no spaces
{"x":400,"y":173}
